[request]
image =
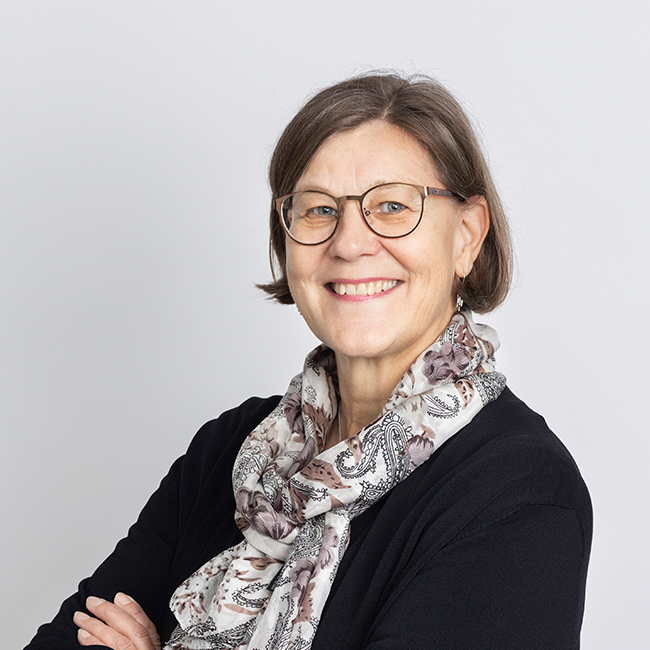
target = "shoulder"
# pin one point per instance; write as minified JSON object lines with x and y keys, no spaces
{"x":239,"y":421}
{"x":512,"y":443}
{"x":507,"y":459}
{"x":217,"y":442}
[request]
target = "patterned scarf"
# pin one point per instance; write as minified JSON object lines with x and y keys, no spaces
{"x":294,"y":505}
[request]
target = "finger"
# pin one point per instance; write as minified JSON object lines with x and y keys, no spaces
{"x":101,"y":634}
{"x":132,"y":607}
{"x":119,"y":630}
{"x":86,"y":638}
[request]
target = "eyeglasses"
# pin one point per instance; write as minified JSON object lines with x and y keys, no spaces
{"x":390,"y":210}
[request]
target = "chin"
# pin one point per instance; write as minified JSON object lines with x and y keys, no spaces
{"x":362,"y":345}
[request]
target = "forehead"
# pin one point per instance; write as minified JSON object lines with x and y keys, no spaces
{"x":373,"y":153}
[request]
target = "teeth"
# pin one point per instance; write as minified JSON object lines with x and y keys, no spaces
{"x":363,"y":288}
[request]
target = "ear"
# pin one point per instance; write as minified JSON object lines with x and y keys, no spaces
{"x":473,"y":226}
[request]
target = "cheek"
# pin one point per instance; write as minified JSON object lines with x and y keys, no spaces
{"x":292,"y":265}
{"x":446,"y":241}
{"x":300,"y":268}
{"x":435,"y":255}
{"x":292,"y":261}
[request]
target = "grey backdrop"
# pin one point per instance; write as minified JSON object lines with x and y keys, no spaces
{"x":134,"y":141}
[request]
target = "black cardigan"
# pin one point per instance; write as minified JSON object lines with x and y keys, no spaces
{"x":484,"y":546}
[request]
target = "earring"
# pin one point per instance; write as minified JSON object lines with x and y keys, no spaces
{"x":459,"y":303}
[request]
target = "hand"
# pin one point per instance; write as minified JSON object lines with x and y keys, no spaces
{"x":125,"y":626}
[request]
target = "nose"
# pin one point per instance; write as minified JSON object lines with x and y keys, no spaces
{"x":353,"y":238}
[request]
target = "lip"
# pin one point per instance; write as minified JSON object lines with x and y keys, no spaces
{"x":357,"y":281}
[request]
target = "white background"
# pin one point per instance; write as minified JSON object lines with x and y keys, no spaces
{"x":134,"y":142}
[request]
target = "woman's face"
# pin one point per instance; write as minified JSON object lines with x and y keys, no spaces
{"x":397,"y":322}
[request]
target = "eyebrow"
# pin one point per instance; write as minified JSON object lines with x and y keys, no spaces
{"x":315,"y":188}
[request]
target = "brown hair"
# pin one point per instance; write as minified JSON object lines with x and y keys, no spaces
{"x":427,"y":111}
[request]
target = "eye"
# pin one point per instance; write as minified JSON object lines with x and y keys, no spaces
{"x":391,"y":207}
{"x":323,"y":211}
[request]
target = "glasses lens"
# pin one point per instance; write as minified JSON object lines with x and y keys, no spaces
{"x":393,"y":210}
{"x":310,"y":217}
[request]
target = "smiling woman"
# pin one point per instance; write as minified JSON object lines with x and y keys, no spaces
{"x":378,"y":336}
{"x":398,"y":495}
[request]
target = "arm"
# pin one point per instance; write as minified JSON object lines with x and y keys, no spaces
{"x":139,"y":566}
{"x":188,"y":520}
{"x":515,"y":583}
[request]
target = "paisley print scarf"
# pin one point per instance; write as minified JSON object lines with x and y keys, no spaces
{"x":295,"y":505}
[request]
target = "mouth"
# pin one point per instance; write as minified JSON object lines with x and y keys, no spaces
{"x":362,"y":288}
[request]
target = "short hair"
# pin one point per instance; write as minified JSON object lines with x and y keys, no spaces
{"x":426,"y":110}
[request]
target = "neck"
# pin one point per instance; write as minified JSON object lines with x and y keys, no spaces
{"x":365,"y":386}
{"x":366,"y":383}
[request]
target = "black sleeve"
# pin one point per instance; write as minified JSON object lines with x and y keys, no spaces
{"x":517,"y":583}
{"x":188,"y":520}
{"x":139,"y":566}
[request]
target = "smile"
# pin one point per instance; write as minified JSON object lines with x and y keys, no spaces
{"x":363,"y":288}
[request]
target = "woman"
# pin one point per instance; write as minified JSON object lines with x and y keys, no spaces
{"x":398,"y":495}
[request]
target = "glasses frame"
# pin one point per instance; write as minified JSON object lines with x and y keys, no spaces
{"x":422,"y":189}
